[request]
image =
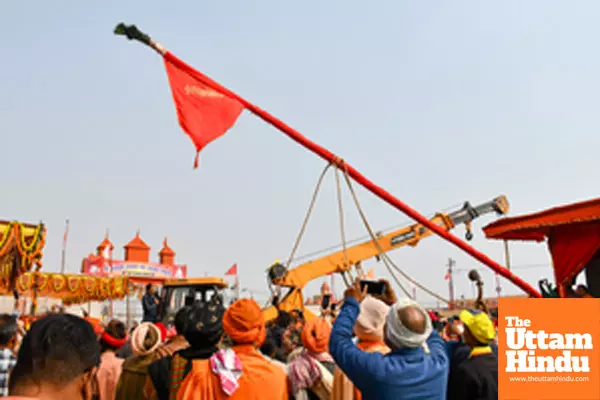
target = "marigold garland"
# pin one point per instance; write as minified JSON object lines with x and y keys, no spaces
{"x":73,"y":289}
{"x":21,"y":248}
{"x":58,"y":282}
{"x":18,"y":241}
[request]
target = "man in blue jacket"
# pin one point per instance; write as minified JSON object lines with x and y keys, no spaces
{"x":417,"y":366}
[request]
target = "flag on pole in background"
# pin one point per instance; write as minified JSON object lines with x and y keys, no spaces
{"x":232,"y":271}
{"x":236,"y":285}
{"x":203,"y":112}
{"x":63,"y":258}
{"x":447,"y":277}
{"x":66,"y":235}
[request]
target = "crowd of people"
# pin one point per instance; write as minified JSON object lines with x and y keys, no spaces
{"x":376,"y":347}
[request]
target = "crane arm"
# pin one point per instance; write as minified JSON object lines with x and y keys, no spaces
{"x":299,"y":276}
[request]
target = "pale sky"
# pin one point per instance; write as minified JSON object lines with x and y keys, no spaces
{"x":437,"y":102}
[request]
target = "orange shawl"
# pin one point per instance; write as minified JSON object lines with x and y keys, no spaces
{"x":260,"y":380}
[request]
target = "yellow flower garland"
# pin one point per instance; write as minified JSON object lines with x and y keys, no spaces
{"x":16,"y":235}
{"x":74,"y":288}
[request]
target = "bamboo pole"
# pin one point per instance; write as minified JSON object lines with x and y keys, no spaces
{"x":133,"y":33}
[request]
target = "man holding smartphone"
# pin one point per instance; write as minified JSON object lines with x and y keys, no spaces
{"x":416,"y":367}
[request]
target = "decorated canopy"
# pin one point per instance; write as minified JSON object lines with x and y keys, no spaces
{"x":72,"y":289}
{"x":21,"y":248}
{"x":572,"y":231}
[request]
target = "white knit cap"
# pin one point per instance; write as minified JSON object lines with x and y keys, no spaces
{"x":371,"y":320}
{"x":399,"y":335}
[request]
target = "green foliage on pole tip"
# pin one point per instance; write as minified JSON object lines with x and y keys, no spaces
{"x":132,"y":33}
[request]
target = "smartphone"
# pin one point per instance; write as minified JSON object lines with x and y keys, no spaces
{"x":373,"y":287}
{"x":325,"y":301}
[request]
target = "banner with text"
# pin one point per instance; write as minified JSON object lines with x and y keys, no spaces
{"x":98,"y":266}
{"x":549,"y":349}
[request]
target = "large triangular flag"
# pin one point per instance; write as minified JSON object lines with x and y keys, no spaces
{"x":232,"y":270}
{"x":203,"y":112}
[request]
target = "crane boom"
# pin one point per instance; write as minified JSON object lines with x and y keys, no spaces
{"x":298,"y":277}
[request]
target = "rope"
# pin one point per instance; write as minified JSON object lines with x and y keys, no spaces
{"x":414,"y":282}
{"x":346,"y":279}
{"x":372,"y":236}
{"x":308,"y":214}
{"x":341,"y":215}
{"x":359,"y":269}
{"x":384,"y":256}
{"x":362,"y":238}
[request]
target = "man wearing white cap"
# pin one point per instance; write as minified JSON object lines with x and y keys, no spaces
{"x":369,"y":331}
{"x":416,"y":367}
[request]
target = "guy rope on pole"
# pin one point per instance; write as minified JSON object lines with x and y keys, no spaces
{"x":311,"y":207}
{"x":387,"y":260}
{"x":342,"y":225}
{"x":132,"y":33}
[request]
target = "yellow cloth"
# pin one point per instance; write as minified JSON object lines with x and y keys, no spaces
{"x":477,"y":351}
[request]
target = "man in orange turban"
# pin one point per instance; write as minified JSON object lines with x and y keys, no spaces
{"x":311,"y":373}
{"x":239,"y":372}
{"x":243,"y":322}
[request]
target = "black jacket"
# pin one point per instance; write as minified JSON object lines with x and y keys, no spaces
{"x":475,"y":378}
{"x":150,"y":308}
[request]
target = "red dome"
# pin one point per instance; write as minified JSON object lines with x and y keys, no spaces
{"x":137,"y":243}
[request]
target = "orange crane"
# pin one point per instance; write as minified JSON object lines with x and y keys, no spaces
{"x":295,"y":279}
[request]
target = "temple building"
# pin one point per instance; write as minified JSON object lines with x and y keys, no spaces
{"x":136,"y":261}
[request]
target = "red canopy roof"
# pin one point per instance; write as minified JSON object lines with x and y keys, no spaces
{"x":539,"y":226}
{"x":573,"y":233}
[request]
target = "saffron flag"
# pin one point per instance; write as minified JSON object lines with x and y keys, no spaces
{"x":447,"y":277}
{"x":232,"y":270}
{"x":204,"y":113}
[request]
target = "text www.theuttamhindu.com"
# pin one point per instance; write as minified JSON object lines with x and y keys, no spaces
{"x":557,"y":379}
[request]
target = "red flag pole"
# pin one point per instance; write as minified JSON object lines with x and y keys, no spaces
{"x":133,"y":33}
